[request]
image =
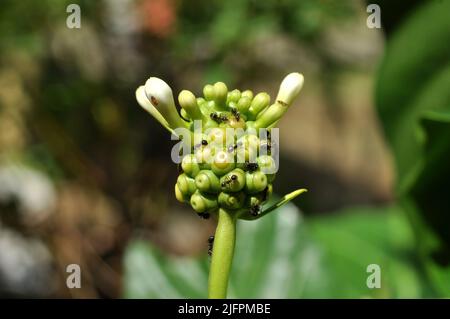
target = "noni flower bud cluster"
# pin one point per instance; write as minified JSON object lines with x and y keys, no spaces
{"x":228,"y":157}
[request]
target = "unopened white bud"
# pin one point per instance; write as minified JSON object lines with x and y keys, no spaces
{"x":290,"y":88}
{"x":143,"y":101}
{"x":160,"y":96}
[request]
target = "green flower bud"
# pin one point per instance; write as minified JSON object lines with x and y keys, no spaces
{"x":259,"y":103}
{"x":205,"y":156}
{"x":217,"y":136}
{"x":189,"y":104}
{"x":207,"y":182}
{"x":210,"y":124}
{"x":223,"y":163}
{"x":243,"y":104}
{"x":233,"y":181}
{"x":255,"y":182}
{"x":232,"y":105}
{"x":267,"y":165}
{"x":206,"y":108}
{"x":236,"y":123}
{"x":200,"y":101}
{"x":208,"y":92}
{"x":247,"y":150}
{"x":247,"y":93}
{"x":180,"y":196}
{"x":186,"y":184}
{"x":201,"y":202}
{"x":232,"y":201}
{"x":190,"y":165}
{"x":233,"y":96}
{"x":220,"y":95}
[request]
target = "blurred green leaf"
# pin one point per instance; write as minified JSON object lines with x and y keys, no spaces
{"x":414,"y":76}
{"x":413,"y":99}
{"x":355,"y":238}
{"x":272,"y":260}
{"x":430,"y":195}
{"x":280,"y":257}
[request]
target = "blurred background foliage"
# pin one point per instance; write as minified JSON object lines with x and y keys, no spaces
{"x":86,"y":175}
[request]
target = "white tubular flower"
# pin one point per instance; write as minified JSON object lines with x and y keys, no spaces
{"x":143,"y":101}
{"x":160,"y":96}
{"x":290,"y":88}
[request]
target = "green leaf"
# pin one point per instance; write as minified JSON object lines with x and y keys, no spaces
{"x":413,"y":100}
{"x":414,"y":77}
{"x":281,"y":256}
{"x":268,"y":255}
{"x":428,"y":199}
{"x":355,"y":238}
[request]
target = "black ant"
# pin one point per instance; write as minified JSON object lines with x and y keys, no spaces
{"x":204,"y":215}
{"x":266,"y":192}
{"x":236,"y":114}
{"x":218,"y":118}
{"x":255,"y":210}
{"x":268,"y":134}
{"x":267,"y":143}
{"x":210,"y":245}
{"x":229,"y":180}
{"x":282,"y":103}
{"x":251,"y":167}
{"x":203,"y":143}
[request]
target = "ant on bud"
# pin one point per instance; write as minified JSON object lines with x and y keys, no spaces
{"x":236,"y":114}
{"x":203,"y":143}
{"x":204,"y":215}
{"x":266,"y":192}
{"x":218,"y":118}
{"x":255,"y":210}
{"x":229,"y":180}
{"x":251,"y":167}
{"x":210,"y":245}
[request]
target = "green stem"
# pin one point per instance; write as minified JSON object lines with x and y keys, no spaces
{"x":222,"y":255}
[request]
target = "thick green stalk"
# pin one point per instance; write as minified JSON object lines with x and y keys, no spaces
{"x":222,"y":255}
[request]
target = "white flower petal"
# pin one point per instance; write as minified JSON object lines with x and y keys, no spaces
{"x":143,"y":101}
{"x":290,"y":88}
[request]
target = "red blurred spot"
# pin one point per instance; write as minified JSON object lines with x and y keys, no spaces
{"x":159,"y":17}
